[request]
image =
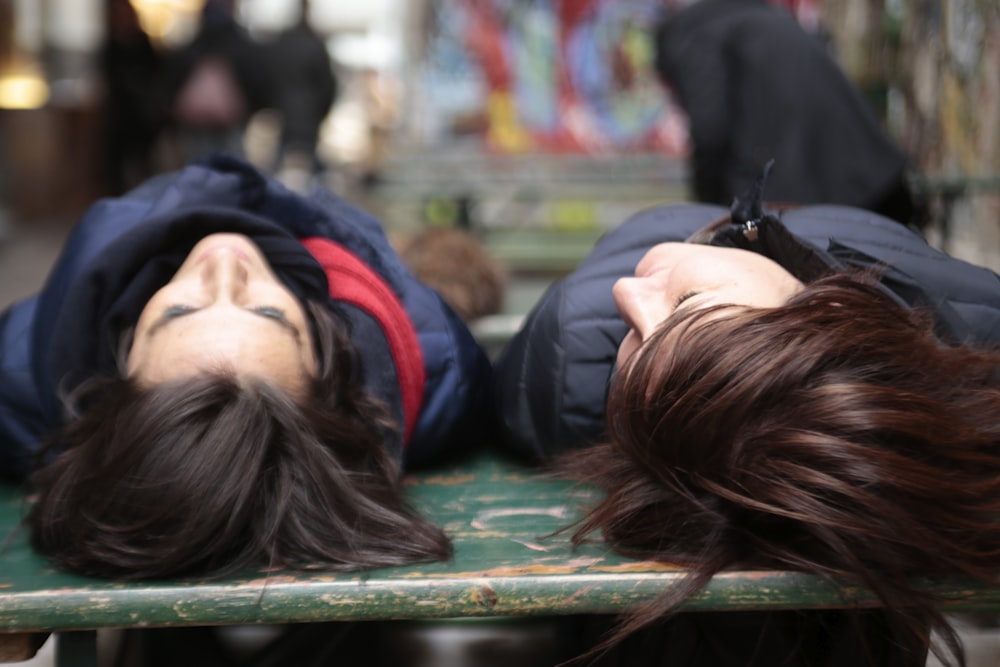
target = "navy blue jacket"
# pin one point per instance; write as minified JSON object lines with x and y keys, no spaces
{"x":552,"y":378}
{"x":123,"y":250}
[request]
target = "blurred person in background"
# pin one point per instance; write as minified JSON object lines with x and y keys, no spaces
{"x":135,"y":99}
{"x":755,"y":86}
{"x":217,"y":82}
{"x":306,"y":88}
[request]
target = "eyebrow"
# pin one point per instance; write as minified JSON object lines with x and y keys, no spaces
{"x":164,"y":320}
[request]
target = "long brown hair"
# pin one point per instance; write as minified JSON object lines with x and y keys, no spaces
{"x":834,"y":434}
{"x":219,"y":473}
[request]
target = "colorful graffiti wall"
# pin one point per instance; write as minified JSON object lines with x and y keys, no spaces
{"x":551,"y":75}
{"x":554,"y":75}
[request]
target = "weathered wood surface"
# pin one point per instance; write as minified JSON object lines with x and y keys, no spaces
{"x":498,"y":515}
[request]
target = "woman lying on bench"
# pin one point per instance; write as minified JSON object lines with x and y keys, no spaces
{"x":247,"y":371}
{"x":815,"y":390}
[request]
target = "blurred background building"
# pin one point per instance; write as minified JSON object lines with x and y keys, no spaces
{"x":514,"y":101}
{"x":500,"y":115}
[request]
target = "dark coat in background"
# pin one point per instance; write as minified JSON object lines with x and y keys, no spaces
{"x":217,"y":82}
{"x":135,"y":99}
{"x":755,"y":86}
{"x":220,"y":36}
{"x":305,"y":85}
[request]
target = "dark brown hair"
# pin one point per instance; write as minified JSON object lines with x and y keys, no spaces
{"x":460,"y":268}
{"x":834,"y":434}
{"x":219,"y":473}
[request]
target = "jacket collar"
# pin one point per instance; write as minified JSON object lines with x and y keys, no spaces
{"x":807,"y":262}
{"x":769,"y":237}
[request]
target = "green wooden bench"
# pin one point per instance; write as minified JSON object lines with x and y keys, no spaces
{"x":497,"y":513}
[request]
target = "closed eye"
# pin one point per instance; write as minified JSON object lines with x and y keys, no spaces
{"x":686,"y":296}
{"x":176,"y":311}
{"x":270,"y":311}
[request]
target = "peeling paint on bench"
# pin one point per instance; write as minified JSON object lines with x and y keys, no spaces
{"x":506,"y":563}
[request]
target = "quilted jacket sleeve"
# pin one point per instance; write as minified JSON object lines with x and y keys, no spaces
{"x":22,"y":426}
{"x":963,"y":298}
{"x":552,"y":379}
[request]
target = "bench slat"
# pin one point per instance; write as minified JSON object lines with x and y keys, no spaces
{"x":498,"y":514}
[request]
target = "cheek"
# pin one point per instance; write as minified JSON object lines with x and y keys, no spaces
{"x":627,"y":347}
{"x":146,"y":318}
{"x":132,"y":360}
{"x":137,"y":346}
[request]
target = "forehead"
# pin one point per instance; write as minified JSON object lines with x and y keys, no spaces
{"x":690,"y":256}
{"x":234,"y":340}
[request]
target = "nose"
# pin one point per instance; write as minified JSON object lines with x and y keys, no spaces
{"x":224,"y":275}
{"x":641,"y":304}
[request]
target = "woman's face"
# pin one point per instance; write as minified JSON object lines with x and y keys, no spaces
{"x":223,"y":309}
{"x":672,"y":276}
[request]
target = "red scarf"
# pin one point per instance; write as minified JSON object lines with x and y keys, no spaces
{"x":353,"y":281}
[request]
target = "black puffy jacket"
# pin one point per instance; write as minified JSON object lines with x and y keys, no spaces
{"x":552,"y":378}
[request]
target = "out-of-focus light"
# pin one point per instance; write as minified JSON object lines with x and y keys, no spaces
{"x":22,"y":87}
{"x":167,"y":21}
